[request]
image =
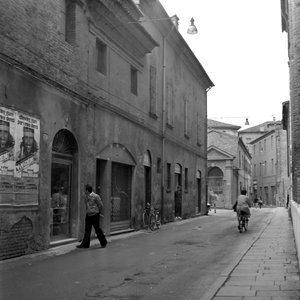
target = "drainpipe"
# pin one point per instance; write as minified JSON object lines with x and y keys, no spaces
{"x":163,"y":129}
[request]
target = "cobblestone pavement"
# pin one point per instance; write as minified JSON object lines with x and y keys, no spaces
{"x":269,"y":270}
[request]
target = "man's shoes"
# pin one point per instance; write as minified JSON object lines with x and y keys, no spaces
{"x":80,"y":246}
{"x":104,"y":245}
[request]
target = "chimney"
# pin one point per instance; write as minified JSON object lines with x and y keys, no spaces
{"x":175,"y":20}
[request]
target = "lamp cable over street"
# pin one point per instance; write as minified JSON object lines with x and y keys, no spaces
{"x":246,"y":119}
{"x":192,"y":29}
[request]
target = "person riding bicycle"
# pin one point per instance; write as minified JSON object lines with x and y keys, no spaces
{"x":243,"y":205}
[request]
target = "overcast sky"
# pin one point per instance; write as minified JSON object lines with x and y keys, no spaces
{"x":243,"y":50}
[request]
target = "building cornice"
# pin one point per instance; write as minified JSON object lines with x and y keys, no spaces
{"x":119,"y":21}
{"x":155,"y":10}
{"x":262,"y":136}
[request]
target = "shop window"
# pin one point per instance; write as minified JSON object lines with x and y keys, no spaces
{"x":120,"y":192}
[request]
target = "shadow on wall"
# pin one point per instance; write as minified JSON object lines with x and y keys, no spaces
{"x":295,"y":212}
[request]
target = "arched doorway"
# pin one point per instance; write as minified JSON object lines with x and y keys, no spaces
{"x":178,"y":190}
{"x":216,"y":186}
{"x":115,"y":169}
{"x":64,"y":150}
{"x":147,"y":176}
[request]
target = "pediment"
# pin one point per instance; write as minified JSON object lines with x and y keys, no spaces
{"x":117,"y":153}
{"x":215,"y":153}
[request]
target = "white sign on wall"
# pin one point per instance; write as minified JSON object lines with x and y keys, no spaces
{"x":19,"y":157}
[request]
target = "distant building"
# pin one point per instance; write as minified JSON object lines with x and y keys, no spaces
{"x":254,"y":132}
{"x":228,"y":163}
{"x":269,"y":165}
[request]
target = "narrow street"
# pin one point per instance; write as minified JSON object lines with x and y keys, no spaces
{"x":179,"y":261}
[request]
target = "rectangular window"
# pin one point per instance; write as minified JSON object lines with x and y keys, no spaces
{"x":186,"y":120}
{"x":265,"y":168}
{"x":170,"y":105}
{"x":272,"y":165}
{"x":152,"y":91}
{"x":70,"y":21}
{"x":272,"y":141}
{"x":158,"y":165}
{"x":260,"y":169}
{"x":186,"y":180}
{"x":254,"y":149}
{"x":134,"y":80}
{"x":254,"y":170}
{"x":168,"y":176}
{"x":198,"y":129}
{"x":265,"y":145}
{"x":101,"y":57}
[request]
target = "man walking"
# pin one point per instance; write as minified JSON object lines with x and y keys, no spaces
{"x":93,"y":208}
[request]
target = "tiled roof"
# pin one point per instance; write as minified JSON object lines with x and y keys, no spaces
{"x":216,"y":124}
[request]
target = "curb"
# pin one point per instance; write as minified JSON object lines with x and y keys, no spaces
{"x":65,"y":248}
{"x":213,"y":290}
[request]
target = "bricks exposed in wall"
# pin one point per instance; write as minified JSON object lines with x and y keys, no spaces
{"x":15,"y":241}
{"x":33,"y":33}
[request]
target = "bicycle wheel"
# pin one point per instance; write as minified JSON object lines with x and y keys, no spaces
{"x":152,"y":221}
{"x":243,"y":222}
{"x":240,"y":227}
{"x":246,"y":224}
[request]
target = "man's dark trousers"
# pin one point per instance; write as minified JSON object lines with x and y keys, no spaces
{"x":89,"y":222}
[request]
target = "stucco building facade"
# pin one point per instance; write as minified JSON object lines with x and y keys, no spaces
{"x":270,"y":168}
{"x":106,"y":100}
{"x":228,"y":162}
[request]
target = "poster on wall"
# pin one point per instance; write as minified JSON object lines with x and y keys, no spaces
{"x":7,"y":154}
{"x":19,"y":157}
{"x":26,"y":173}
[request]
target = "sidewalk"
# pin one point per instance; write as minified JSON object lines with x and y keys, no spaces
{"x":269,"y":270}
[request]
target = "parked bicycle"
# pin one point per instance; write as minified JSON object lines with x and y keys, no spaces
{"x":243,"y":222}
{"x":151,"y":217}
